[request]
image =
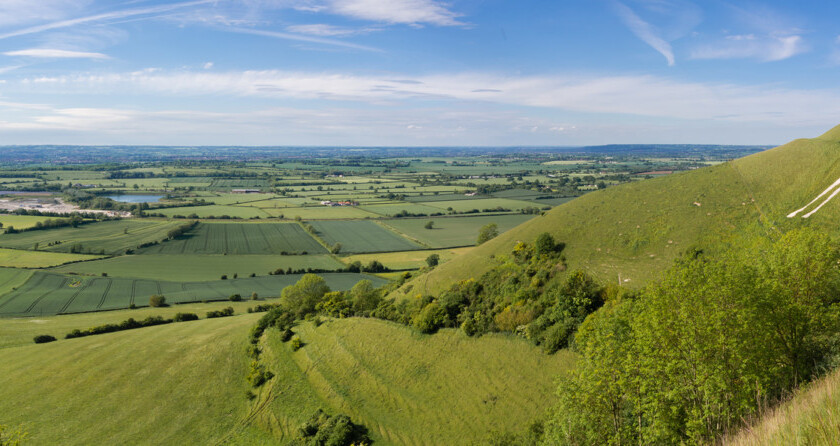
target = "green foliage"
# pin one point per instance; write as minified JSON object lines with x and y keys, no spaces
{"x":296,"y":343}
{"x":235,"y":297}
{"x":487,"y":232}
{"x":430,"y":318}
{"x":323,"y":429}
{"x":364,"y":297}
{"x":12,"y":437}
{"x":258,"y":374}
{"x":707,"y":347}
{"x":184,"y":317}
{"x":433,"y":260}
{"x":301,"y":298}
{"x":43,"y":339}
{"x":156,"y":300}
{"x":128,"y":324}
{"x":220,"y":313}
{"x":335,"y":304}
{"x":429,"y":225}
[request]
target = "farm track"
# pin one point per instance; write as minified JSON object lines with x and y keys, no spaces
{"x":36,"y":301}
{"x":73,"y":297}
{"x":104,"y":294}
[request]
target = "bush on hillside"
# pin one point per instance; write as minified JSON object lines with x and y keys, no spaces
{"x":184,"y":317}
{"x":156,"y":300}
{"x":43,"y":339}
{"x":332,"y":430}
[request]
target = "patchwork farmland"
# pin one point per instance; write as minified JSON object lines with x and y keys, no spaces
{"x":240,"y":238}
{"x":361,"y":236}
{"x":47,"y":293}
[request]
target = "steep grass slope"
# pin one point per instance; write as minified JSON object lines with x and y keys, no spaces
{"x":812,"y":417}
{"x":184,"y":383}
{"x":629,"y":233}
{"x":175,"y":384}
{"x":406,"y":388}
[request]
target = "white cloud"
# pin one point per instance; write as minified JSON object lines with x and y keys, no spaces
{"x":324,"y":30}
{"x":207,"y":65}
{"x":19,"y":12}
{"x":767,"y":49}
{"x":104,"y":17}
{"x":303,"y":38}
{"x":644,"y":96}
{"x":645,"y":32}
{"x":413,"y":12}
{"x":49,"y":53}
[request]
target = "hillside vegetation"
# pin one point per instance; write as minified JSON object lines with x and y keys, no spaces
{"x":630,"y":233}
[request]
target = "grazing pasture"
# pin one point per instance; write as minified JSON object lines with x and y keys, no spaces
{"x":240,"y":238}
{"x":197,"y":267}
{"x":108,"y":237}
{"x":392,"y":209}
{"x":49,"y":293}
{"x":39,"y":259}
{"x":405,"y":259}
{"x":23,"y":221}
{"x":486,"y":203}
{"x":361,"y":237}
{"x":11,"y":278}
{"x":214,"y":211}
{"x":452,"y":231}
{"x":321,"y":212}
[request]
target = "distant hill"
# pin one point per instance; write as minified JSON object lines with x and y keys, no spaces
{"x":629,"y":233}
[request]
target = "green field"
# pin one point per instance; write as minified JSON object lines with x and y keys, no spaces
{"x":110,"y":237}
{"x":11,"y":278}
{"x":49,"y":293}
{"x":405,"y":259}
{"x":389,"y":210}
{"x":487,"y":203}
{"x":217,"y":211}
{"x":197,"y":267}
{"x":19,"y":258}
{"x":175,"y":384}
{"x":23,"y":221}
{"x":452,"y":231}
{"x":399,"y":383}
{"x":240,"y":238}
{"x":361,"y":237}
{"x":320,"y":212}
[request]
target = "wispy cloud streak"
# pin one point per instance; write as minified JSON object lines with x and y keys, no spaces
{"x":644,"y":31}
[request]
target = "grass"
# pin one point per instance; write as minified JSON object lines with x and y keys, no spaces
{"x":244,"y":212}
{"x":11,"y":278}
{"x":399,"y":383}
{"x":240,"y":238}
{"x":49,"y":293}
{"x":812,"y":417}
{"x":361,"y":237}
{"x":405,"y":259}
{"x":487,"y":203}
{"x":197,"y":267}
{"x":180,"y":383}
{"x":452,"y":231}
{"x":389,"y":210}
{"x":19,"y":331}
{"x":22,"y":221}
{"x":110,"y":237}
{"x":39,"y":259}
{"x":320,"y":212}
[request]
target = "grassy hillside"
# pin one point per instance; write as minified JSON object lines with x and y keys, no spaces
{"x":184,"y":383}
{"x":811,"y":417}
{"x":632,"y":232}
{"x":174,"y":384}
{"x":405,"y":387}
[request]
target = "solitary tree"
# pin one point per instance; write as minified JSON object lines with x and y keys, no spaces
{"x":429,"y":225}
{"x":433,"y":260}
{"x":488,"y":232}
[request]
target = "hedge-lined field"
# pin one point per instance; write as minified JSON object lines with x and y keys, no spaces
{"x":110,"y":237}
{"x":38,"y":259}
{"x":11,"y":278}
{"x":453,"y":231}
{"x":362,"y":236}
{"x":49,"y":293}
{"x":240,"y":238}
{"x":23,"y":221}
{"x":197,"y":267}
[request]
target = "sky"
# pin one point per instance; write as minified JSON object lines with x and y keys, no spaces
{"x":417,"y":72}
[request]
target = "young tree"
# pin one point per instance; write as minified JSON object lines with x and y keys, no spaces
{"x":429,"y":225}
{"x":300,"y":299}
{"x":488,"y":232}
{"x":433,"y":260}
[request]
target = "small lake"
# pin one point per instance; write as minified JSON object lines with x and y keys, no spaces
{"x":136,"y":198}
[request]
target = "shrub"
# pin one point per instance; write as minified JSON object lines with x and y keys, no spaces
{"x":254,"y":296}
{"x":157,"y":301}
{"x":224,"y":277}
{"x":433,"y":260}
{"x":296,"y":344}
{"x":220,"y":313}
{"x":43,"y":339}
{"x":430,"y":318}
{"x":338,"y":430}
{"x":183,"y":317}
{"x":235,"y":297}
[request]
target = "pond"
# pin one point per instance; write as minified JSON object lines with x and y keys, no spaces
{"x":136,"y":198}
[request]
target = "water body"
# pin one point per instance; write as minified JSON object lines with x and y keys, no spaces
{"x":136,"y":198}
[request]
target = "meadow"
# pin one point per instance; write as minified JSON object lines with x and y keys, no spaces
{"x":20,"y":258}
{"x":449,"y":232}
{"x":23,"y":221}
{"x":405,"y":260}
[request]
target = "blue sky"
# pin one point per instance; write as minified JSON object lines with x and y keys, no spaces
{"x":417,"y":72}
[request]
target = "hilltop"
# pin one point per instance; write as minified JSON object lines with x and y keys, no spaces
{"x":629,"y":233}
